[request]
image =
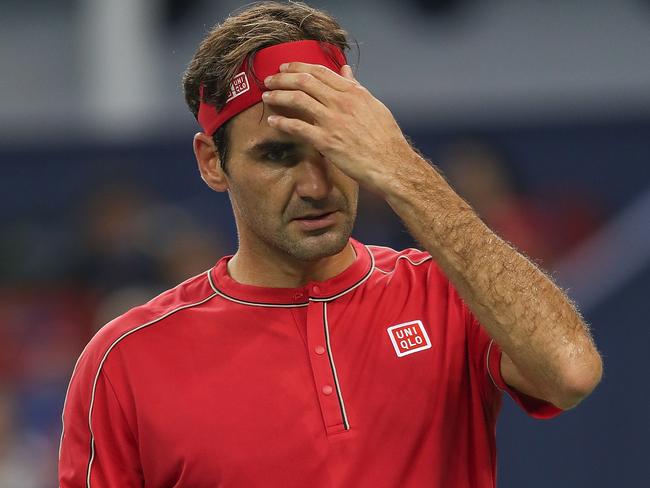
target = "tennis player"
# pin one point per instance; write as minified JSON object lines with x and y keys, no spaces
{"x":308,"y":358}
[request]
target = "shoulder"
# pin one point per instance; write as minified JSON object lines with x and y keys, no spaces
{"x":387,"y":259}
{"x":189,"y":294}
{"x":101,"y":349}
{"x":410,"y":265}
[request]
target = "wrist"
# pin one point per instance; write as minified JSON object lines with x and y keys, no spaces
{"x":412,"y":176}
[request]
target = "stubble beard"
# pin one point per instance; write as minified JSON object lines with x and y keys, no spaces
{"x":315,"y":245}
{"x":288,"y":240}
{"x":306,"y":246}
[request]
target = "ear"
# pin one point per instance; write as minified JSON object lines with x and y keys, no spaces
{"x":209,"y":164}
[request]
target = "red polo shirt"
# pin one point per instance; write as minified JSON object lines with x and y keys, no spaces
{"x":377,"y":377}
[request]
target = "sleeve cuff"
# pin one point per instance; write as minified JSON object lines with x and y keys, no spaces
{"x":536,"y":408}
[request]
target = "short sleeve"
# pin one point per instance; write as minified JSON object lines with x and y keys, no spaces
{"x":486,"y":359}
{"x":536,"y":408}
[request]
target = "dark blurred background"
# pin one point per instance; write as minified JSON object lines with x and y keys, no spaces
{"x":538,"y":113}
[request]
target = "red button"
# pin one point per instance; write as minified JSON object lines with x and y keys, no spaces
{"x":319,"y":350}
{"x":316,"y":289}
{"x":327,"y":390}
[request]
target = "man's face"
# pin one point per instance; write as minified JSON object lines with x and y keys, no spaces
{"x":286,"y":196}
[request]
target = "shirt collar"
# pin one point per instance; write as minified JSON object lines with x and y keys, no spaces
{"x":353,"y":276}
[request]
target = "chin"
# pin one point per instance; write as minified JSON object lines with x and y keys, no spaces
{"x":314,"y":247}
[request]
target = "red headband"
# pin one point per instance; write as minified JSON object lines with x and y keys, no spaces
{"x":267,"y":62}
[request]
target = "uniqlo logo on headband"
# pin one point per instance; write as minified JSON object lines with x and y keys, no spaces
{"x":409,"y":337}
{"x":238,"y":85}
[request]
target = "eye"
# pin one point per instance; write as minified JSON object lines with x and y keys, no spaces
{"x":277,"y":155}
{"x":283,"y":157}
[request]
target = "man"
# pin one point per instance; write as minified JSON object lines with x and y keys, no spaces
{"x":308,"y":359}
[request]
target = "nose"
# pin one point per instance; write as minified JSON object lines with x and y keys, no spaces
{"x":313,"y":181}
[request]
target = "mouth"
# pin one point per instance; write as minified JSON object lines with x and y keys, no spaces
{"x":316,"y":221}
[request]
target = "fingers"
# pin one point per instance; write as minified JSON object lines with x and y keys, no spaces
{"x":298,"y":100}
{"x":310,"y":88}
{"x":305,"y":82}
{"x":320,"y":73}
{"x":315,"y":91}
{"x":295,"y":99}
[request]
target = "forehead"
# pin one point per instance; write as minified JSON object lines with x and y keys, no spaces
{"x":250,"y":127}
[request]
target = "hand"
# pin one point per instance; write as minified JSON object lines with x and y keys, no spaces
{"x":341,"y":119}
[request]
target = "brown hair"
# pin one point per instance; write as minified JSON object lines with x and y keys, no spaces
{"x":244,"y":32}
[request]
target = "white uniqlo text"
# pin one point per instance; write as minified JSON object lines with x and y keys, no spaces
{"x":238,"y":85}
{"x":409,"y":337}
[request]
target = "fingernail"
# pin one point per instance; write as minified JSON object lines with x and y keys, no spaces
{"x":267,"y":79}
{"x":272,"y":118}
{"x":284,"y":66}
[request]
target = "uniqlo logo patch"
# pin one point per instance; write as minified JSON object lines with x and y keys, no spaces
{"x":238,"y":85}
{"x":409,"y":337}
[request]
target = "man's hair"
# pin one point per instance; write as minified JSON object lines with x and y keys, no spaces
{"x":244,"y":32}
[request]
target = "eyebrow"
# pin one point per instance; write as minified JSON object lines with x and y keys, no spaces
{"x":271,"y":145}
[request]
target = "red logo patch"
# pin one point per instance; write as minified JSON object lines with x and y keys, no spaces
{"x":238,"y":85}
{"x":409,"y":337}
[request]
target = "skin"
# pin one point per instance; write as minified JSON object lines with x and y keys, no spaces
{"x":354,"y":139}
{"x":268,"y":190}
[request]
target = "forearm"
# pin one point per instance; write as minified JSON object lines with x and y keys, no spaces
{"x":532,"y":320}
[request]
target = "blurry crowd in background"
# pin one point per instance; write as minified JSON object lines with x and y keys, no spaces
{"x":63,"y":280}
{"x":121,"y":244}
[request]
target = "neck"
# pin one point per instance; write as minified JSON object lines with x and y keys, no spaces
{"x":278,"y":270}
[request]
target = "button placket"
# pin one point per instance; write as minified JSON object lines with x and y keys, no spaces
{"x":324,"y":374}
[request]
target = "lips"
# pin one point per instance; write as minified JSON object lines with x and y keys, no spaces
{"x":313,"y":216}
{"x":316,"y":221}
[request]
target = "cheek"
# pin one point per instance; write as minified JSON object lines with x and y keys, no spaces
{"x":257,"y":204}
{"x":350,"y":190}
